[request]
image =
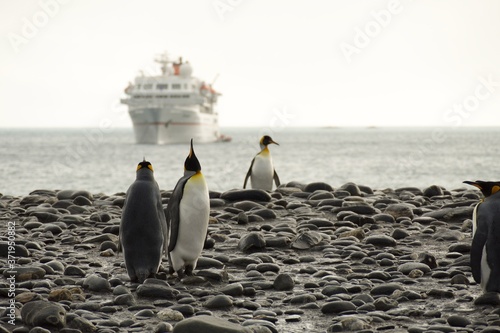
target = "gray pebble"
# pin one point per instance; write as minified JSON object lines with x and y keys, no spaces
{"x":42,"y":313}
{"x":386,"y":289}
{"x":380,"y":240}
{"x":96,"y":283}
{"x":406,"y":268}
{"x":218,"y":302}
{"x":251,"y":242}
{"x":156,"y":291}
{"x":338,"y":307}
{"x":458,"y":321}
{"x":283,"y":282}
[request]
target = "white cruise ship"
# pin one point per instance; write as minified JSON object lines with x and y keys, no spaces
{"x":172,"y":107}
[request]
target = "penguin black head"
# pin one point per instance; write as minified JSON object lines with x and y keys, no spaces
{"x":192,"y":163}
{"x":144,"y":165}
{"x":487,"y":188}
{"x":267,"y":140}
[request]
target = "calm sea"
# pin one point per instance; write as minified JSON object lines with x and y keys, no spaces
{"x":105,"y":161}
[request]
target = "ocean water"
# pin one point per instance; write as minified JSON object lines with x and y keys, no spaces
{"x":105,"y":160}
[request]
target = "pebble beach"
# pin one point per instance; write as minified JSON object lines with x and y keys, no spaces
{"x":303,"y":258}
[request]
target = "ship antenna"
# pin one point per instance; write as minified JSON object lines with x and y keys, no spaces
{"x":215,"y":79}
{"x":164,"y":61}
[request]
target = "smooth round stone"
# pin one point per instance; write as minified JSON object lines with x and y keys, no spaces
{"x":233,"y":289}
{"x":312,"y":187}
{"x":146,"y":313}
{"x":246,"y":194}
{"x":244,"y":261}
{"x":157,"y":291}
{"x":56,"y":265}
{"x":382,"y":217}
{"x":82,"y":201}
{"x":96,"y":283}
{"x":303,"y":299}
{"x":74,"y":271}
{"x":283,"y":282}
{"x":459,"y":279}
{"x":338,"y":307}
{"x":252,"y":241}
{"x":108,"y":245}
{"x":458,"y":321}
{"x":432,"y":191}
{"x":293,"y":319}
{"x":333,"y":290}
{"x":380,"y":240}
{"x":71,"y":194}
{"x":25,"y":273}
{"x":399,"y":234}
{"x":247,"y":205}
{"x":399,"y":210}
{"x":125,"y":299}
{"x":460,"y":247}
{"x":265,"y":213}
{"x":218,"y":302}
{"x":170,"y":315}
{"x":267,"y":267}
{"x":204,"y":323}
{"x":204,"y":262}
{"x":163,"y":327}
{"x":60,"y":295}
{"x":406,"y":268}
{"x":186,"y":309}
{"x":306,"y":240}
{"x":81,"y":324}
{"x":385,"y":304}
{"x":386,"y":289}
{"x":42,"y":313}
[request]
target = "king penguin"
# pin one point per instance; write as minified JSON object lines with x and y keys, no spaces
{"x":143,"y":227}
{"x":261,"y":171}
{"x":187,"y":218}
{"x":485,"y":248}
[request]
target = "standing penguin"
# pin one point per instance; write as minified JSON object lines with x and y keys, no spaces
{"x":485,"y":248}
{"x":261,"y":171}
{"x":187,"y":218}
{"x":143,"y":228}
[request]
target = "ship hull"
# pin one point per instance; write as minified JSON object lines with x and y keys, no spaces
{"x":172,"y":125}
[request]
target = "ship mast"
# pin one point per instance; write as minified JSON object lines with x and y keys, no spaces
{"x":163,"y":60}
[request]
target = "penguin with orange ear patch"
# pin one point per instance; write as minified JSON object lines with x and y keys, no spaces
{"x":485,"y":248}
{"x":187,"y":218}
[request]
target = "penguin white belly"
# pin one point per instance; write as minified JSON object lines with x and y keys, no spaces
{"x":262,"y":172}
{"x":474,"y":220}
{"x":194,"y":210}
{"x":485,"y":269}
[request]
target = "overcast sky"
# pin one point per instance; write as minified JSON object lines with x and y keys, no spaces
{"x":295,"y":63}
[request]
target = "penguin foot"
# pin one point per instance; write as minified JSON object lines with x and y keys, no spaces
{"x":189,"y":271}
{"x":180,"y":274}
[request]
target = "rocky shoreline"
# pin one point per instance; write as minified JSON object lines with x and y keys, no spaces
{"x":306,"y":257}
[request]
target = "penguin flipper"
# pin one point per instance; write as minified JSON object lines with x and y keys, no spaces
{"x":173,"y":215}
{"x":249,"y":173}
{"x":276,"y":179}
{"x":163,"y":223}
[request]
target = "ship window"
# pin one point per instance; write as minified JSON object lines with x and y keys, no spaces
{"x":185,"y":96}
{"x":176,"y":86}
{"x":185,"y":86}
{"x":148,"y":86}
{"x":161,"y":86}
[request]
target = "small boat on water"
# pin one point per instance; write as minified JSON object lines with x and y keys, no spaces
{"x":173,"y":107}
